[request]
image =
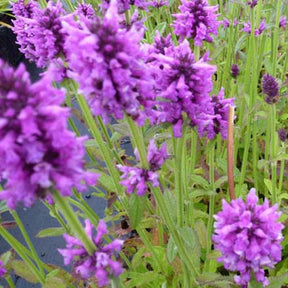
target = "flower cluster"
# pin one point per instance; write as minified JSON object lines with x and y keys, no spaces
{"x":106,"y":62}
{"x":234,"y":70}
{"x":39,"y":31}
{"x":252,"y":3}
{"x":283,"y":22}
{"x":270,"y":88}
{"x":184,"y":85}
{"x":258,"y":31}
{"x":100,"y":263}
{"x":137,"y":179}
{"x":37,"y":151}
{"x":248,"y":236}
{"x":196,"y":20}
{"x":2,"y":269}
{"x":282,"y":134}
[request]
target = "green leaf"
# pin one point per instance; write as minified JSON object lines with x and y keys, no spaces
{"x":106,"y":182}
{"x":136,"y":207}
{"x":6,"y":257}
{"x":268,"y":184}
{"x":192,"y":244}
{"x":122,"y":129}
{"x":172,"y":250}
{"x":51,"y":232}
{"x":21,"y":269}
{"x":160,"y":27}
{"x":54,"y":282}
{"x":138,"y":258}
{"x":143,"y":279}
{"x":201,"y":231}
{"x":200,"y":181}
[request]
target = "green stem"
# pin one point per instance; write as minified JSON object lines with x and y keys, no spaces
{"x":22,"y":252}
{"x":282,"y":167}
{"x":108,"y":140}
{"x":211,"y":207}
{"x":55,"y":213}
{"x":138,"y":141}
{"x":273,"y":153}
{"x":10,"y":281}
{"x":103,"y":148}
{"x":160,"y":201}
{"x":28,"y":241}
{"x":177,"y":148}
{"x":74,"y":222}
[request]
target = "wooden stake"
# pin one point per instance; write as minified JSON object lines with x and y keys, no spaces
{"x":230,"y":153}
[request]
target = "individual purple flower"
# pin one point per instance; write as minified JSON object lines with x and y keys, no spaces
{"x":225,"y":23}
{"x":248,"y":237}
{"x":283,"y":134}
{"x":283,"y":22}
{"x":136,"y":179}
{"x":270,"y":88}
{"x":86,"y":10}
{"x":2,"y":269}
{"x":252,"y":3}
{"x":196,"y":20}
{"x":155,"y":156}
{"x":108,"y":64}
{"x":100,"y":264}
{"x":234,"y":70}
{"x":261,"y":28}
{"x":38,"y":153}
{"x":39,"y":31}
{"x":159,"y":3}
{"x":221,"y":113}
{"x":258,"y":31}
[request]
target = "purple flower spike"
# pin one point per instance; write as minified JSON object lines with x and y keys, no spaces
{"x":155,"y":156}
{"x":283,"y":22}
{"x":270,"y":88}
{"x":248,"y":236}
{"x":136,"y":179}
{"x":38,"y":152}
{"x":234,"y":70}
{"x":39,"y":31}
{"x":108,"y":64}
{"x":196,"y":20}
{"x":258,"y":31}
{"x":2,"y":269}
{"x":252,"y":3}
{"x":100,"y":263}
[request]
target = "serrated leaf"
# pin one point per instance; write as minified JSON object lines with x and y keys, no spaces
{"x":5,"y":257}
{"x":136,"y":207}
{"x":138,"y":258}
{"x":268,"y":184}
{"x":201,"y":231}
{"x":105,"y":181}
{"x":21,"y":269}
{"x":54,"y":282}
{"x":122,"y":129}
{"x":160,"y":27}
{"x":143,"y":279}
{"x":51,"y":232}
{"x":172,"y":250}
{"x":200,"y":181}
